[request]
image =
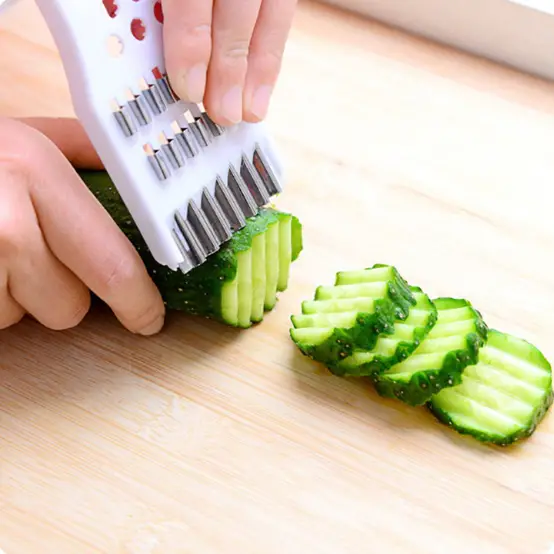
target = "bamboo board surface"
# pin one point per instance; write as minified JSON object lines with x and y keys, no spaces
{"x":207,"y":440}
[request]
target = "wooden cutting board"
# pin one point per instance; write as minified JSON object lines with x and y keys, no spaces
{"x":206,"y":440}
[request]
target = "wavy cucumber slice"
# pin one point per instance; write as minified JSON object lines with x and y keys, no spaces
{"x":392,"y":349}
{"x":352,"y":314}
{"x":438,"y":362}
{"x":503,"y":397}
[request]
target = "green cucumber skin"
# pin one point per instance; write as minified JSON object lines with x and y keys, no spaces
{"x":369,"y":326}
{"x":379,"y":364}
{"x":199,"y":291}
{"x":424,"y":384}
{"x":493,"y":438}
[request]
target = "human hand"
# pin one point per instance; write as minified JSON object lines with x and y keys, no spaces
{"x":231,"y":50}
{"x":56,"y":241}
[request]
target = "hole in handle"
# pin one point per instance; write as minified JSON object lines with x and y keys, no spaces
{"x":111,"y":7}
{"x":138,"y":29}
{"x":114,"y":46}
{"x":158,"y":11}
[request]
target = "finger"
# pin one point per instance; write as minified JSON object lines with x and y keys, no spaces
{"x":265,"y":57}
{"x":187,"y":46}
{"x":82,"y":235}
{"x":10,"y":311}
{"x":37,"y":282}
{"x":233,"y":25}
{"x":70,"y":137}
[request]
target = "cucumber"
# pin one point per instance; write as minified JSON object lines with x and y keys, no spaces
{"x":351,"y":314}
{"x":438,"y":362}
{"x":237,"y":284}
{"x":503,"y":397}
{"x":392,"y":349}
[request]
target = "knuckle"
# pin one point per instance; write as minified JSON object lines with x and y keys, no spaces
{"x":235,"y":49}
{"x":192,"y":43}
{"x":269,"y":61}
{"x":119,"y":274}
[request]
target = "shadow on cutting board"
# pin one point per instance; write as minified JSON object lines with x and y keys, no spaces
{"x":357,"y":396}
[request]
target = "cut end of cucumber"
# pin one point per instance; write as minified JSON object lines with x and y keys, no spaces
{"x":360,"y":307}
{"x":503,"y":397}
{"x":262,"y":272}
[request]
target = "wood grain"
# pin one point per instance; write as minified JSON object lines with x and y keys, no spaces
{"x":205,"y":440}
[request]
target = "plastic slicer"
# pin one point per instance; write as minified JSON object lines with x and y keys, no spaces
{"x":187,"y":182}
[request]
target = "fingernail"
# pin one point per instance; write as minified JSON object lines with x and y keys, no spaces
{"x":231,"y":105}
{"x":260,"y":101}
{"x":193,"y":84}
{"x":153,"y":328}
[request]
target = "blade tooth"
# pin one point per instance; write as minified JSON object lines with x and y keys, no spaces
{"x":187,"y":264}
{"x":173,"y":155}
{"x":165,"y":90}
{"x":197,"y":250}
{"x":229,"y":205}
{"x":158,"y":88}
{"x":154,"y":100}
{"x":187,"y":143}
{"x":160,"y":167}
{"x":216,"y":217}
{"x":199,"y":133}
{"x":125,"y":122}
{"x":140,"y":110}
{"x":253,"y":182}
{"x":240,"y":191}
{"x":202,"y":228}
{"x":265,"y":171}
{"x":204,"y":130}
{"x":215,"y":129}
{"x":176,"y":151}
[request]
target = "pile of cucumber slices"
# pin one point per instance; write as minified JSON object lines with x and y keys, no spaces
{"x":439,"y":352}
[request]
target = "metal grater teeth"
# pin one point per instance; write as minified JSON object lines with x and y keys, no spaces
{"x":165,"y":90}
{"x":199,"y":222}
{"x":196,"y":248}
{"x":240,"y":191}
{"x":154,"y":100}
{"x":265,"y":172}
{"x":203,"y":129}
{"x":199,"y":131}
{"x":253,"y":182}
{"x":125,"y":122}
{"x":186,"y":141}
{"x":160,"y":167}
{"x":187,"y":264}
{"x":173,"y":155}
{"x":219,"y":222}
{"x":215,"y":129}
{"x":229,"y":205}
{"x":140,"y":110}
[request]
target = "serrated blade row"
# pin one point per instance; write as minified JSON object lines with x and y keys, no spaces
{"x":201,"y":230}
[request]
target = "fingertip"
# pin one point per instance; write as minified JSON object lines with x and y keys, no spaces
{"x":257,"y":104}
{"x":190,"y":83}
{"x":225,"y":109}
{"x":152,"y":328}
